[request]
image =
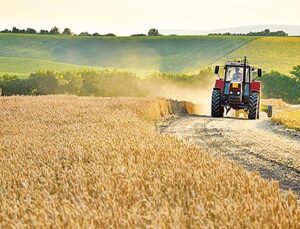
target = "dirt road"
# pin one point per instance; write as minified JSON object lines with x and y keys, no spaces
{"x":254,"y":144}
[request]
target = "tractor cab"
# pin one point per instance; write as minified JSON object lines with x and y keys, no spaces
{"x":236,"y":83}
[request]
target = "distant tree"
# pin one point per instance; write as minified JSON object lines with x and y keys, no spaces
{"x":43,"y":31}
{"x":54,"y":31}
{"x":267,"y":31}
{"x":67,"y":31}
{"x":84,"y":34}
{"x":15,"y":30}
{"x":30,"y":31}
{"x":138,"y":35}
{"x":6,"y":31}
{"x":110,"y":35}
{"x":96,"y":34}
{"x":72,"y":83}
{"x":153,"y":32}
{"x":281,"y":33}
{"x":14,"y":85}
{"x":43,"y":83}
{"x":296,"y":73}
{"x":277,"y":85}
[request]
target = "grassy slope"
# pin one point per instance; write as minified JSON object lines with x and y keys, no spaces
{"x":270,"y":53}
{"x":166,"y":54}
{"x":148,"y":54}
{"x":23,"y":66}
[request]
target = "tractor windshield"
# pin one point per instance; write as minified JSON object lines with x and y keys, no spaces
{"x":236,"y":74}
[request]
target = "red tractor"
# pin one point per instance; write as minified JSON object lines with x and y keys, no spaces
{"x":238,"y":90}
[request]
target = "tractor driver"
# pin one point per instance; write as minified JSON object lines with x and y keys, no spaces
{"x":237,"y":76}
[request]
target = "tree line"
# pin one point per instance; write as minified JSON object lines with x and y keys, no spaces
{"x":265,"y":32}
{"x":151,"y":32}
{"x":67,"y":31}
{"x":280,"y":86}
{"x":53,"y":31}
{"x":116,"y":83}
{"x":95,"y":83}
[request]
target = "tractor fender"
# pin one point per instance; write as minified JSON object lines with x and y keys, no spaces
{"x":255,"y":86}
{"x":219,"y":85}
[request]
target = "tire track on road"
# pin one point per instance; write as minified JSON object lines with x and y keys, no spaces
{"x":256,"y":145}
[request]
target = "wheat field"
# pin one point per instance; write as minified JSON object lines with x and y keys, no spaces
{"x":289,"y":118}
{"x":70,"y":162}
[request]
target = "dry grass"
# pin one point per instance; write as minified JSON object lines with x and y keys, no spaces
{"x":80,"y":162}
{"x":289,"y":118}
{"x":276,"y":103}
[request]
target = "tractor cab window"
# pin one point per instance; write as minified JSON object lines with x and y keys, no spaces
{"x":235,"y":74}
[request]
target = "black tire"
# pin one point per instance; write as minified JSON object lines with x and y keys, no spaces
{"x":253,"y":108}
{"x":216,"y":109}
{"x":258,"y":111}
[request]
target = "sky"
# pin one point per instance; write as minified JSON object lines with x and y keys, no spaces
{"x":125,"y":17}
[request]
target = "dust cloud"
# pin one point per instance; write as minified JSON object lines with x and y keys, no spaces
{"x":141,"y":60}
{"x":200,"y":96}
{"x":123,"y":55}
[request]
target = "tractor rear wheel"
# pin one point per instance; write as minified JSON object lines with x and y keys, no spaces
{"x":258,"y":111}
{"x":216,"y":109}
{"x":253,"y":109}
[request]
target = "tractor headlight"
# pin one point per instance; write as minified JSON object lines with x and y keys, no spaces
{"x":230,"y":92}
{"x":238,"y":93}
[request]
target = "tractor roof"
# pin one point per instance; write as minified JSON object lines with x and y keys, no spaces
{"x":236,"y":63}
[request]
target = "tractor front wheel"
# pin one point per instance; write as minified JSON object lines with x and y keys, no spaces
{"x":253,"y":109}
{"x":216,"y":109}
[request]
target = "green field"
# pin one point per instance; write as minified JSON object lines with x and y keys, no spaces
{"x":149,"y":54}
{"x":23,"y":54}
{"x":270,"y":53}
{"x":23,"y":66}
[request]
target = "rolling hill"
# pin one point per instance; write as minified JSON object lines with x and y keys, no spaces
{"x":23,"y":66}
{"x":23,"y":54}
{"x":270,"y":53}
{"x":164,"y":54}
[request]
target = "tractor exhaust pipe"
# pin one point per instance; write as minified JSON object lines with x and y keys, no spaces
{"x":244,"y":72}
